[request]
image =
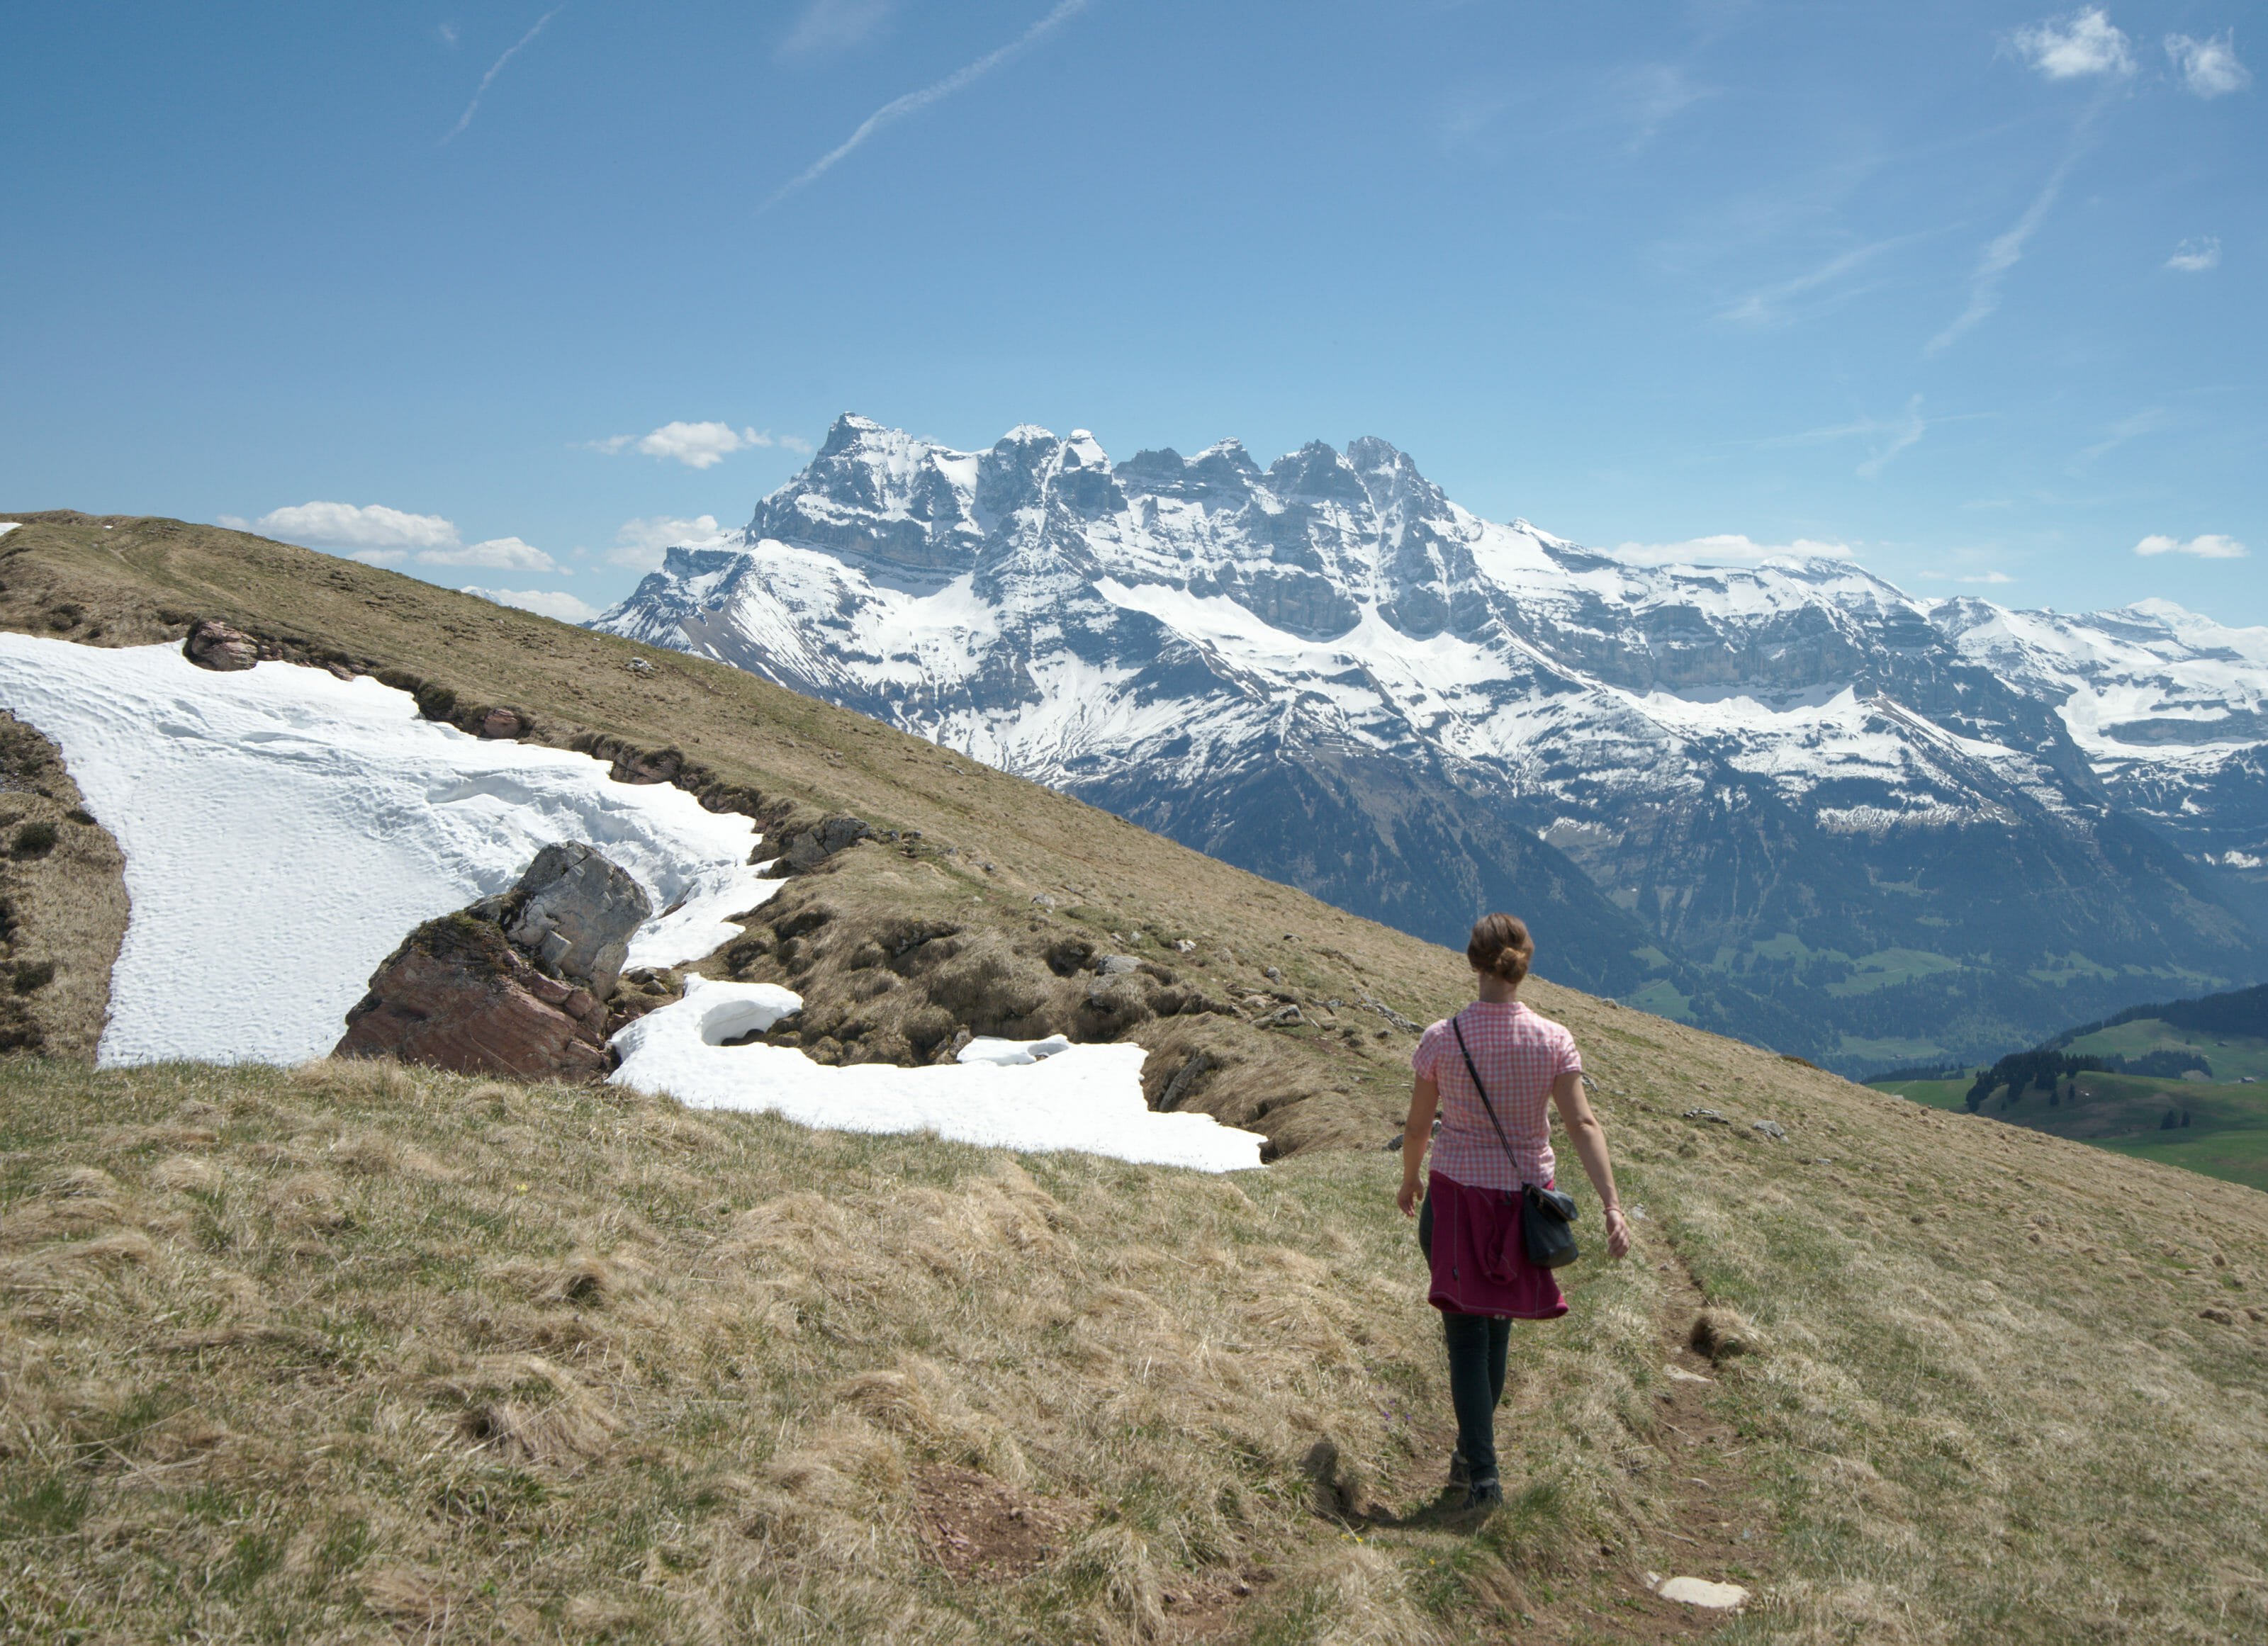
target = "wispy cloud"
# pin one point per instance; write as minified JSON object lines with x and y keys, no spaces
{"x":696,"y":444}
{"x":1985,"y":577}
{"x":1886,"y":436}
{"x":826,"y":26}
{"x":2196,"y":255}
{"x":1769,"y":305}
{"x":543,"y":602}
{"x":2083,"y":44}
{"x":2125,"y":429}
{"x":640,"y":543}
{"x":1727,"y":549}
{"x":1656,"y":93}
{"x":1903,"y":434}
{"x":2001,"y":253}
{"x":2211,"y":546}
{"x":2208,"y":68}
{"x":913,"y":102}
{"x":497,"y":67}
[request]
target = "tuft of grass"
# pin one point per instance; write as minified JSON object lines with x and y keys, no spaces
{"x":34,"y":840}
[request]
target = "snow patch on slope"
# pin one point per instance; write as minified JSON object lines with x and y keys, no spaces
{"x":284,"y":830}
{"x":1042,"y":1096}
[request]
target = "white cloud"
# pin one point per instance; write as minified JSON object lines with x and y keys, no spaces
{"x":2195,"y":256}
{"x":2211,"y":546}
{"x":2072,"y":48}
{"x":643,"y":539}
{"x":497,"y":554}
{"x":696,"y":444}
{"x":833,"y":26}
{"x":913,"y":102}
{"x":1987,"y":577}
{"x":2209,"y":68}
{"x":346,"y":525}
{"x":543,"y":602}
{"x":1727,"y":549}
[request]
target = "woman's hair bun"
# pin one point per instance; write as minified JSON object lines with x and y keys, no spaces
{"x":1500,"y":945}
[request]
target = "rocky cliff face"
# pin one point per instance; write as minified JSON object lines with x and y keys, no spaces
{"x":1789,"y":802}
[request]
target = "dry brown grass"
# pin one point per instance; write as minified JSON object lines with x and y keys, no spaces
{"x":622,"y":1372}
{"x":62,"y":907}
{"x":358,"y":1352}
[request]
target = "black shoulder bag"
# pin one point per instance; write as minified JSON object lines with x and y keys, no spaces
{"x":1545,"y":1217}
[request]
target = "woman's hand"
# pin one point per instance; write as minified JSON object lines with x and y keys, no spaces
{"x":1407,"y":1197}
{"x":1618,"y":1233}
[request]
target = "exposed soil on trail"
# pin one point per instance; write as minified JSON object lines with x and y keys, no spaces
{"x":976,"y":1527}
{"x":1718,"y":1529}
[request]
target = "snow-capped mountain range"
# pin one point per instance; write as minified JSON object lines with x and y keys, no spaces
{"x":1792,"y":801}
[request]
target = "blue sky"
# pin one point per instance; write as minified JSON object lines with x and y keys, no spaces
{"x":1971,"y":291}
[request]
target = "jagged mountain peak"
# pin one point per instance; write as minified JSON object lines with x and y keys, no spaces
{"x":1749,"y":795}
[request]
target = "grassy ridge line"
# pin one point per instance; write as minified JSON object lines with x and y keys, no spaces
{"x":993,"y":841}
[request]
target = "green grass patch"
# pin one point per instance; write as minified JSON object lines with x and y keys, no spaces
{"x":1886,"y":966}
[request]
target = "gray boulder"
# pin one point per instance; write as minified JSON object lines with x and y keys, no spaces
{"x":575,"y":911}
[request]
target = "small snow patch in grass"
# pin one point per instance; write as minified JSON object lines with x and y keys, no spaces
{"x":1037,"y":1095}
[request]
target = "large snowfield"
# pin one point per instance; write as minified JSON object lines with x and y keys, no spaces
{"x":284,"y":830}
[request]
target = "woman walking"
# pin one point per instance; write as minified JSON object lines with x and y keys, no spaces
{"x":1469,"y":1226}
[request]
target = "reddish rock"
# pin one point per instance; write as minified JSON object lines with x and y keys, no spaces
{"x":458,"y":995}
{"x":503,"y":723}
{"x":215,"y":645}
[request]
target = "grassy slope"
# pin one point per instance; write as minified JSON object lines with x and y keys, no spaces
{"x":346,"y":1352}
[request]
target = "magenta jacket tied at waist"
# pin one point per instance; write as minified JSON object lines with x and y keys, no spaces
{"x":1480,"y":1263}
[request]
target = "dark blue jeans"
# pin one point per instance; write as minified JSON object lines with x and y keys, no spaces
{"x":1477,"y":1344}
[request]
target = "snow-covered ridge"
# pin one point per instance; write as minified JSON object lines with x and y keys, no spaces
{"x":1185,"y":638}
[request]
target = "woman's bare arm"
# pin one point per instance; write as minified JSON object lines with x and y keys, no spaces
{"x":1424,"y":1096}
{"x":1590,"y":1140}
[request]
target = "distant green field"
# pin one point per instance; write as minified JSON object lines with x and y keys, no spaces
{"x":2232,"y":1057}
{"x":1939,"y":1094}
{"x":1886,"y":966}
{"x":1662,"y":998}
{"x":2226,"y":1136}
{"x":2238,"y":1156}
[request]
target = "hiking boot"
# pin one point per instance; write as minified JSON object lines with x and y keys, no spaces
{"x":1482,"y":1496}
{"x":1461,"y":1473}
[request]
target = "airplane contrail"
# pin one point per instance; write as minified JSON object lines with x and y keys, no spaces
{"x":913,"y":102}
{"x":497,"y":67}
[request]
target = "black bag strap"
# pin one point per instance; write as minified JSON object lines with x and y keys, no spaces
{"x":1458,"y":1029}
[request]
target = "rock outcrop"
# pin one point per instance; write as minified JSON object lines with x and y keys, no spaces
{"x":515,"y":985}
{"x":575,"y":912}
{"x":213,"y":644}
{"x":803,"y":849}
{"x":459,"y":996}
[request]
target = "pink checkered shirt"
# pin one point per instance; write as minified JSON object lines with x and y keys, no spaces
{"x":1518,"y":1055}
